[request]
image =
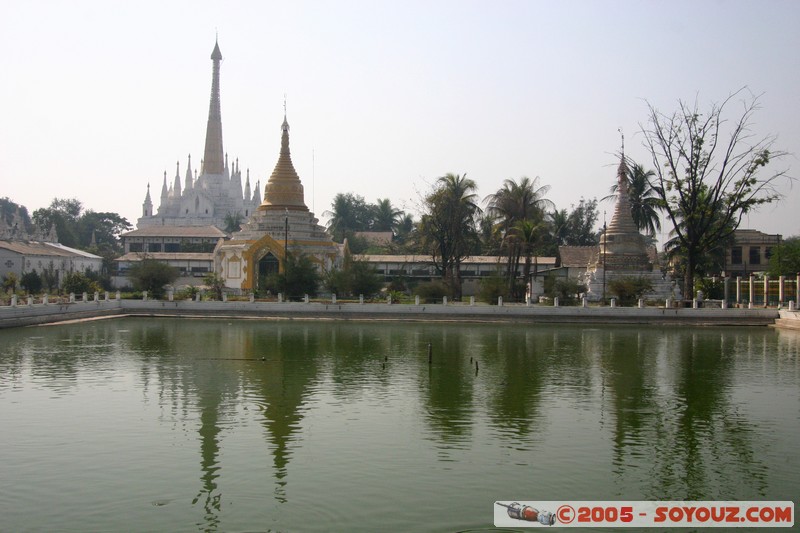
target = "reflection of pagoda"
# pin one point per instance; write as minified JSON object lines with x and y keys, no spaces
{"x":623,"y":251}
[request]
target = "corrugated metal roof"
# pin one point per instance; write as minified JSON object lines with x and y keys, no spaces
{"x":44,"y":248}
{"x":176,"y":231}
{"x":165,"y":256}
{"x":477,"y":259}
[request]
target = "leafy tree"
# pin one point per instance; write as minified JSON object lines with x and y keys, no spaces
{"x":80,"y":229}
{"x":566,"y":289}
{"x":708,"y":173}
{"x":151,"y":276}
{"x":215,"y":283}
{"x":630,"y":288}
{"x":100,"y":229}
{"x":581,"y":223}
{"x":299,"y":277}
{"x":77,"y":283}
{"x":356,"y":277}
{"x":63,"y":215}
{"x":31,"y":282}
{"x":50,"y":277}
{"x":447,"y":228}
{"x":784,"y":259}
{"x":10,"y":281}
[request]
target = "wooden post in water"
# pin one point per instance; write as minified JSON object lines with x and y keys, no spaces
{"x":430,"y":353}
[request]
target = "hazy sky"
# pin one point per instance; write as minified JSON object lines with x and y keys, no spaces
{"x":100,"y":97}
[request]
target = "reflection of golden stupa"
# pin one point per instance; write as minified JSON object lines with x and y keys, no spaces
{"x":281,"y":224}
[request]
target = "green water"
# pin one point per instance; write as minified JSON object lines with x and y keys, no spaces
{"x":224,"y":425}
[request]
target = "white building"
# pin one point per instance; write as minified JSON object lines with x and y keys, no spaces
{"x":216,"y":193}
{"x":21,"y":257}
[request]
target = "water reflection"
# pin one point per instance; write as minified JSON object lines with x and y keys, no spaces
{"x":658,"y":414}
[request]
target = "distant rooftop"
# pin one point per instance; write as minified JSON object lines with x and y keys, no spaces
{"x":177,"y":231}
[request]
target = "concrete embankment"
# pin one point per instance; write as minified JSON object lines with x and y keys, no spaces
{"x":26,"y":315}
{"x":788,"y":320}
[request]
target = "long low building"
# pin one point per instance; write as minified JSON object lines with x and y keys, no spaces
{"x":20,"y":257}
{"x":473,"y":268}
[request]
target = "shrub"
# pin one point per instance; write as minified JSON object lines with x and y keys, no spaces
{"x":493,"y":287}
{"x":565,"y":289}
{"x":151,"y":276}
{"x":32,"y":282}
{"x":432,"y":291}
{"x":77,"y":283}
{"x":630,"y":288}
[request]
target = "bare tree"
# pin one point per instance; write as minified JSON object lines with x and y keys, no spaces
{"x":709,"y":172}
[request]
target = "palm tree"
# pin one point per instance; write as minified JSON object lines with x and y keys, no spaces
{"x":348,"y":214}
{"x":448,"y":229}
{"x":645,"y":198}
{"x":527,"y":233}
{"x":559,"y":226}
{"x":385,"y":217}
{"x":515,"y":202}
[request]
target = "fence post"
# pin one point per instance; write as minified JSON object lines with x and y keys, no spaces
{"x":781,"y":291}
{"x":555,"y":301}
{"x":641,"y":303}
{"x":500,"y":301}
{"x":766,"y":290}
{"x":471,"y":300}
{"x":613,"y":302}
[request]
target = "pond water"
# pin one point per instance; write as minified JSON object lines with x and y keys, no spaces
{"x":248,"y":425}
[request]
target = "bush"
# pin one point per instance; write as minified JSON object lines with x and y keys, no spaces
{"x":32,"y":282}
{"x":432,"y":291}
{"x":151,"y":276}
{"x":10,"y":282}
{"x":565,"y":289}
{"x":630,"y":288}
{"x":78,"y":283}
{"x":493,"y":287}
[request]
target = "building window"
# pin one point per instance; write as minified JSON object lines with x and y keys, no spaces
{"x":172,"y":247}
{"x":755,"y":255}
{"x":736,"y":255}
{"x":154,"y":247}
{"x":135,"y":247}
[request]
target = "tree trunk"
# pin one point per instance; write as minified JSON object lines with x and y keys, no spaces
{"x":688,"y":279}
